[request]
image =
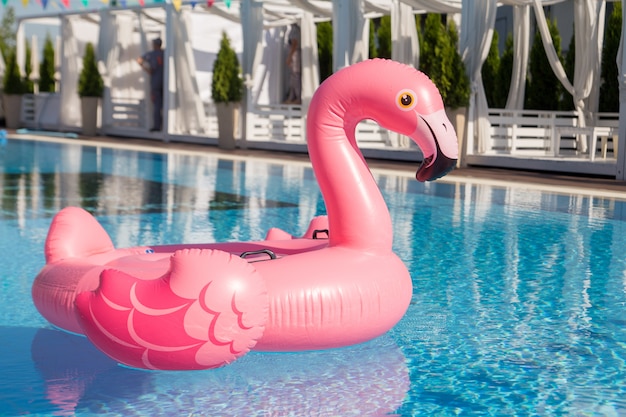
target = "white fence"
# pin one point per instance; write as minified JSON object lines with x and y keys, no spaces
{"x":550,"y":133}
{"x":523,"y":133}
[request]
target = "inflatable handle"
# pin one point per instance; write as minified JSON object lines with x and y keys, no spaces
{"x":268,"y":252}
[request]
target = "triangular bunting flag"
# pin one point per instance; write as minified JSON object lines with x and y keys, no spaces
{"x":177,"y":4}
{"x":66,"y":3}
{"x":44,"y":3}
{"x":208,"y":3}
{"x":24,"y":3}
{"x":227,"y":3}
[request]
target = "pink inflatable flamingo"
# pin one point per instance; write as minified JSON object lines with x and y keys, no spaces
{"x":203,"y":306}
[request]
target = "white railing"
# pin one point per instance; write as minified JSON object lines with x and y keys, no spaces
{"x":550,"y":133}
{"x":525,"y":132}
{"x":127,"y":113}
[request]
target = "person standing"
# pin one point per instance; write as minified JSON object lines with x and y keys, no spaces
{"x":152,"y":63}
{"x":294,"y":63}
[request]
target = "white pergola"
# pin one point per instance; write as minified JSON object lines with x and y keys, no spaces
{"x":122,"y":34}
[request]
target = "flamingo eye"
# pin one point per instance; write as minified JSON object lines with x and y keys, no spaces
{"x":406,"y":100}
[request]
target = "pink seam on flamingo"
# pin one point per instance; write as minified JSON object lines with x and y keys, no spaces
{"x":202,"y":306}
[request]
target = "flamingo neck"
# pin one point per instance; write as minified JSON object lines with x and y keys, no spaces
{"x":357,"y":213}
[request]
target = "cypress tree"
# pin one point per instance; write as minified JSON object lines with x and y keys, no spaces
{"x":490,"y":71}
{"x":13,"y":81}
{"x":384,"y":37}
{"x":458,"y":95}
{"x":7,"y":32}
{"x":46,"y":68}
{"x":609,"y":87}
{"x":440,"y":60}
{"x":28,"y":68}
{"x":90,"y":83}
{"x":432,"y":39}
{"x":325,"y":49}
{"x":227,"y":84}
{"x":372,"y":53}
{"x":503,"y":82}
{"x":544,"y":90}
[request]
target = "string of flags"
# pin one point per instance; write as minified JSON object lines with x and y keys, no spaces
{"x":123,"y":3}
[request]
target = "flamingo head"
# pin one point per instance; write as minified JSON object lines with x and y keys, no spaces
{"x":409,"y":103}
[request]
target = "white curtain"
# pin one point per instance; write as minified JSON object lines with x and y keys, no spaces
{"x":404,"y":42}
{"x":252,"y":29}
{"x":70,"y":115}
{"x":34,"y":63}
{"x":521,"y":47}
{"x":268,"y":78}
{"x":477,"y":23}
{"x":189,"y":114}
{"x":106,"y":51}
{"x":589,"y":36}
{"x":310,"y":60}
{"x":127,"y":42}
{"x":77,"y":31}
{"x":351,"y":33}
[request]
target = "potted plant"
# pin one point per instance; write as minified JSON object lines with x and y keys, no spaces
{"x":14,"y":88}
{"x":226,"y":91}
{"x":90,"y":88}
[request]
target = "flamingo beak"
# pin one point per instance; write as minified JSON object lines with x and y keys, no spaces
{"x":442,"y":157}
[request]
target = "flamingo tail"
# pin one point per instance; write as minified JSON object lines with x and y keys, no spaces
{"x":74,"y":233}
{"x":209,"y":309}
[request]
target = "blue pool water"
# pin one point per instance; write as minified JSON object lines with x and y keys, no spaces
{"x":519,"y":304}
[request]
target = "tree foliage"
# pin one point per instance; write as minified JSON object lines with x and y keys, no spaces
{"x":13,"y":81}
{"x":227,"y":85}
{"x":544,"y":90}
{"x":28,"y":68}
{"x":490,"y":71}
{"x":325,"y":49}
{"x":384,"y":38}
{"x":90,"y":83}
{"x":609,"y":87}
{"x":46,"y":68}
{"x":7,"y":32}
{"x":505,"y":72}
{"x":441,"y":61}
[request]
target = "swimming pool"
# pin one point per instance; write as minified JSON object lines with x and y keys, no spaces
{"x":519,"y":304}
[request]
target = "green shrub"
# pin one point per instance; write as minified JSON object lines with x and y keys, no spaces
{"x":46,"y":68}
{"x":384,"y":38}
{"x":325,"y":49}
{"x":227,"y":85}
{"x":490,"y":71}
{"x":90,"y":83}
{"x":609,"y":87}
{"x":503,"y":84}
{"x":13,"y":81}
{"x":441,"y":61}
{"x":544,"y":90}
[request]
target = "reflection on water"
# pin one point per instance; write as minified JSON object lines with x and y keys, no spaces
{"x":77,"y":378}
{"x":519,"y":295}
